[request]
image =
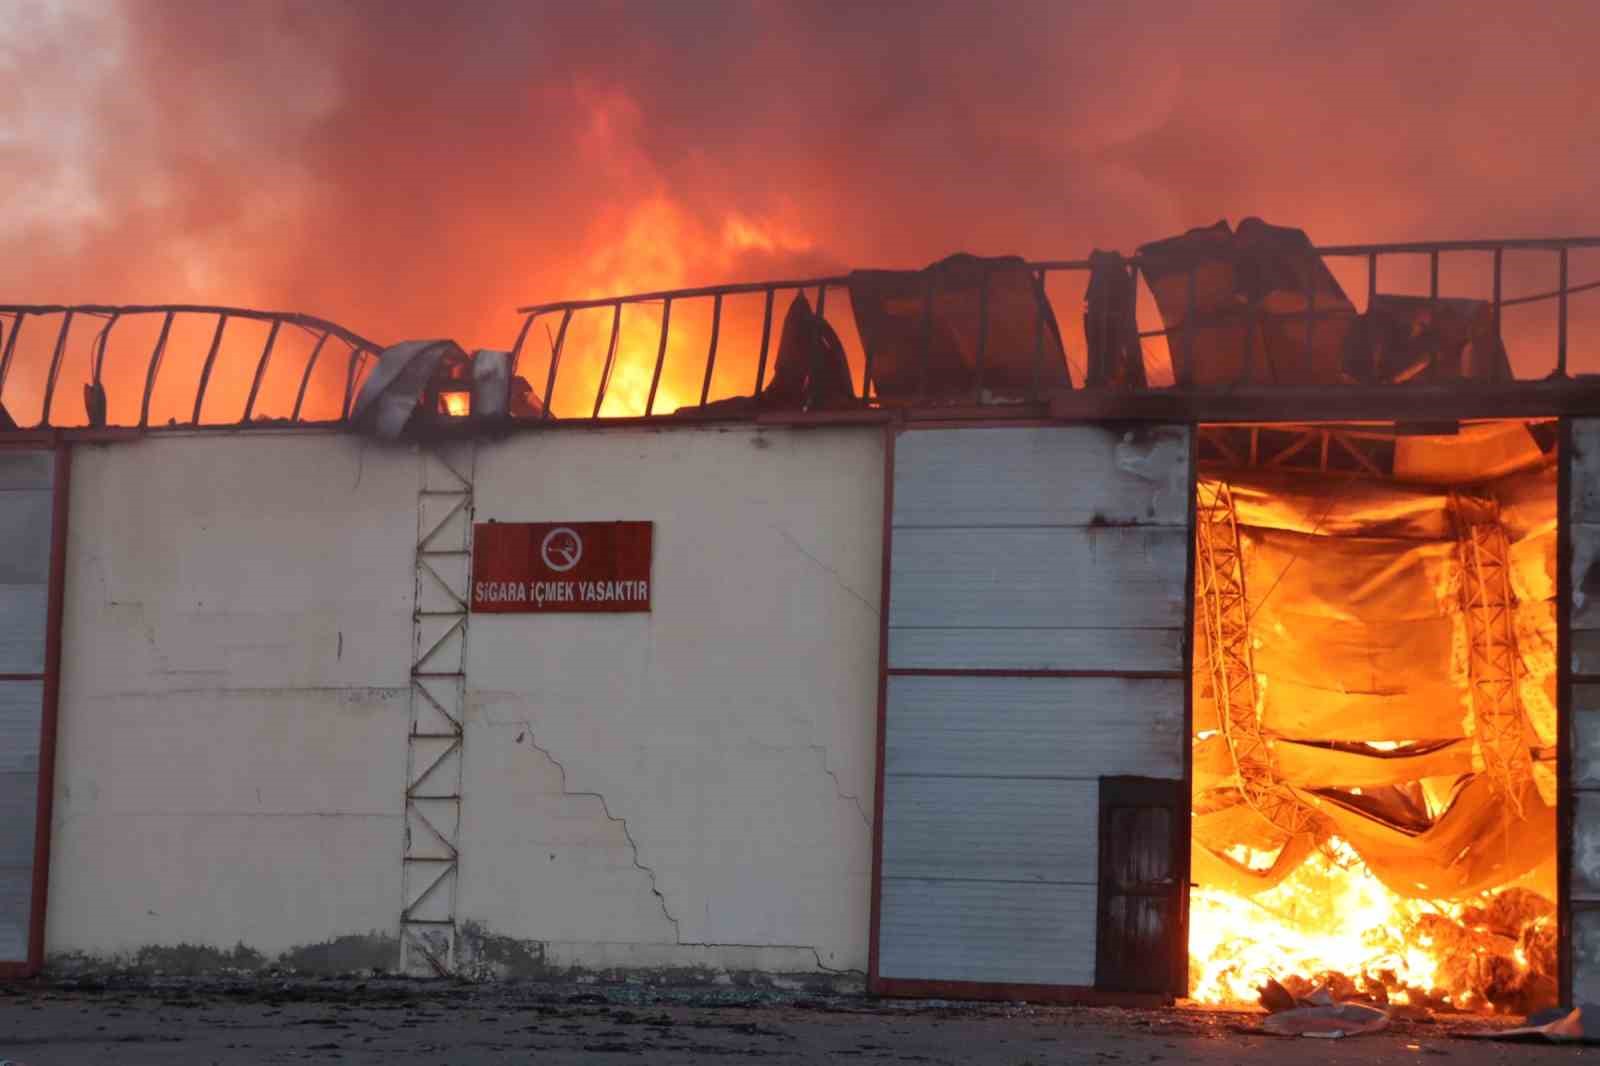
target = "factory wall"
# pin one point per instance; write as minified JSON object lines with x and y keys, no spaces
{"x":687,"y":788}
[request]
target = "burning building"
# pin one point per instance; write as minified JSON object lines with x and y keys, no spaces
{"x":1234,"y":630}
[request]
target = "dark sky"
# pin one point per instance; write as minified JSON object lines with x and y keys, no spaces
{"x":422,"y":168}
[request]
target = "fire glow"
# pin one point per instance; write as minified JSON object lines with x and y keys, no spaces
{"x":1375,"y":777}
{"x":1333,"y":923}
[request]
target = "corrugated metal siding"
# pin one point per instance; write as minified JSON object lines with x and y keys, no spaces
{"x":989,"y":931}
{"x":1584,"y":703}
{"x":22,"y":623}
{"x":1042,"y":549}
{"x":26,"y":493}
{"x":1018,"y":727}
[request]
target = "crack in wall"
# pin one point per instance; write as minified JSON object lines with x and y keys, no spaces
{"x":838,"y":578}
{"x":605,"y":808}
{"x":838,"y":785}
{"x":655,"y":889}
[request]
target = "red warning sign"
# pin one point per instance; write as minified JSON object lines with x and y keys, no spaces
{"x":561,"y":567}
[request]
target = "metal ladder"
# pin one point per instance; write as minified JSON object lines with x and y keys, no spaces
{"x":430,"y":866}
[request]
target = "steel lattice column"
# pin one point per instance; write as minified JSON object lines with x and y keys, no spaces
{"x":1488,"y":604}
{"x":430,"y":868}
{"x":1222,"y":605}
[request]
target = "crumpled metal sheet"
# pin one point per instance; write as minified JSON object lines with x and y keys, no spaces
{"x":1581,"y":1025}
{"x":1330,"y":1022}
{"x":491,"y":383}
{"x":393,"y":390}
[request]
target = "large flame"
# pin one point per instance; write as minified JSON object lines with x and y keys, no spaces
{"x":277,"y":156}
{"x":1333,"y":923}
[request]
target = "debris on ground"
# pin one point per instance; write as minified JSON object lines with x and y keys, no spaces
{"x":1327,"y":1022}
{"x":1321,"y":1014}
{"x":1559,"y":1025}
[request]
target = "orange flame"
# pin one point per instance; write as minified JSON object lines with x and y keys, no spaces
{"x":1332,"y":922}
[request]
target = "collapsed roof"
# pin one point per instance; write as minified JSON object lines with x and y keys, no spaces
{"x":1387,"y":673}
{"x":1248,"y":308}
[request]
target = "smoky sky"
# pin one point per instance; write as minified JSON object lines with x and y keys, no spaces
{"x":420,"y":169}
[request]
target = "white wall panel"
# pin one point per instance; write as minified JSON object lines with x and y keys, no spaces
{"x":1049,"y":475}
{"x":21,"y":710}
{"x":26,"y":514}
{"x":24,"y":536}
{"x":987,"y":931}
{"x":1064,"y":648}
{"x":979,"y":828}
{"x":1057,"y":549}
{"x":1034,"y":726}
{"x":26,"y":468}
{"x":24,"y":610}
{"x":1113,"y":577}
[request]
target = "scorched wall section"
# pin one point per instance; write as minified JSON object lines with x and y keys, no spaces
{"x":687,"y":787}
{"x":232,"y":723}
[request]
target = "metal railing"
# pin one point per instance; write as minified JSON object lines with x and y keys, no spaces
{"x":1560,"y":248}
{"x":44,"y":373}
{"x":15,"y":318}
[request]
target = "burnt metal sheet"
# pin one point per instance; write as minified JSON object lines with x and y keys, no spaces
{"x":1585,"y":460}
{"x":24,"y":536}
{"x":1586,"y":845}
{"x":1585,"y":955}
{"x":1585,"y":576}
{"x":977,"y":828}
{"x":1069,"y":475}
{"x":1585,"y":720}
{"x":1006,"y":931}
{"x":1034,"y":727}
{"x":1112,"y":577}
{"x":22,"y":628}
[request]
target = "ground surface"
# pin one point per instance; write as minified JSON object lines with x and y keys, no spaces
{"x":193,"y":1023}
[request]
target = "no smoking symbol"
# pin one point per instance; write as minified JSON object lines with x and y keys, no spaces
{"x":561,"y":549}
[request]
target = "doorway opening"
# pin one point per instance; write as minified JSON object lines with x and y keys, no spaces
{"x":1375,"y":716}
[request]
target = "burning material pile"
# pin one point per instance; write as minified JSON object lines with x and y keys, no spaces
{"x":1375,"y":731}
{"x":1332,"y":925}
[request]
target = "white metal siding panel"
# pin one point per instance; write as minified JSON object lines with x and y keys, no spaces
{"x":23,"y":609}
{"x":977,"y":828}
{"x":1056,"y":476}
{"x":19,"y":800}
{"x":16,"y":891}
{"x":26,"y":492}
{"x":21,"y":705}
{"x":19,"y":795}
{"x":1106,"y":578}
{"x":1040,"y":549}
{"x":24,"y":537}
{"x":1059,"y":727}
{"x":987,"y":931}
{"x":26,"y":469}
{"x":1067,"y":648}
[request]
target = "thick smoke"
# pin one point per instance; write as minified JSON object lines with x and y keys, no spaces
{"x":419,"y":169}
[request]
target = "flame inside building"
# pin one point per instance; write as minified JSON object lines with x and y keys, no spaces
{"x":1375,"y":723}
